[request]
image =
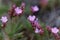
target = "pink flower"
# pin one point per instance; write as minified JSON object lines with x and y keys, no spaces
{"x":18,"y":10}
{"x":36,"y":23}
{"x":4,"y":19}
{"x":55,"y":30}
{"x":23,"y":4}
{"x":35,"y":8}
{"x":14,"y":6}
{"x":37,"y":30}
{"x":31,"y":18}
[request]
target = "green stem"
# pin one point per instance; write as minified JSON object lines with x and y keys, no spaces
{"x":5,"y":35}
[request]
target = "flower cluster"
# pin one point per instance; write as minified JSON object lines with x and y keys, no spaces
{"x":36,"y":26}
{"x":13,"y":11}
{"x":54,"y":31}
{"x":16,"y":11}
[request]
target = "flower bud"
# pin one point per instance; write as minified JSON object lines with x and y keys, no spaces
{"x":22,"y":5}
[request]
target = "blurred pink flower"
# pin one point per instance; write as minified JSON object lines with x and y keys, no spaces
{"x":54,"y":30}
{"x":31,"y":18}
{"x":37,"y":30}
{"x":23,"y":4}
{"x":35,"y":8}
{"x":14,"y":6}
{"x":36,"y":23}
{"x":18,"y":10}
{"x":4,"y":19}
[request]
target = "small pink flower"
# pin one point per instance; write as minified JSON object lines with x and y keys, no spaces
{"x":23,"y":4}
{"x":35,"y":8}
{"x":4,"y":19}
{"x":18,"y":10}
{"x":36,"y":23}
{"x":37,"y":30}
{"x":31,"y":18}
{"x":55,"y":30}
{"x":14,"y":6}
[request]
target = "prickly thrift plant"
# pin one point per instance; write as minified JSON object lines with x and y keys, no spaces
{"x":15,"y":26}
{"x":11,"y":22}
